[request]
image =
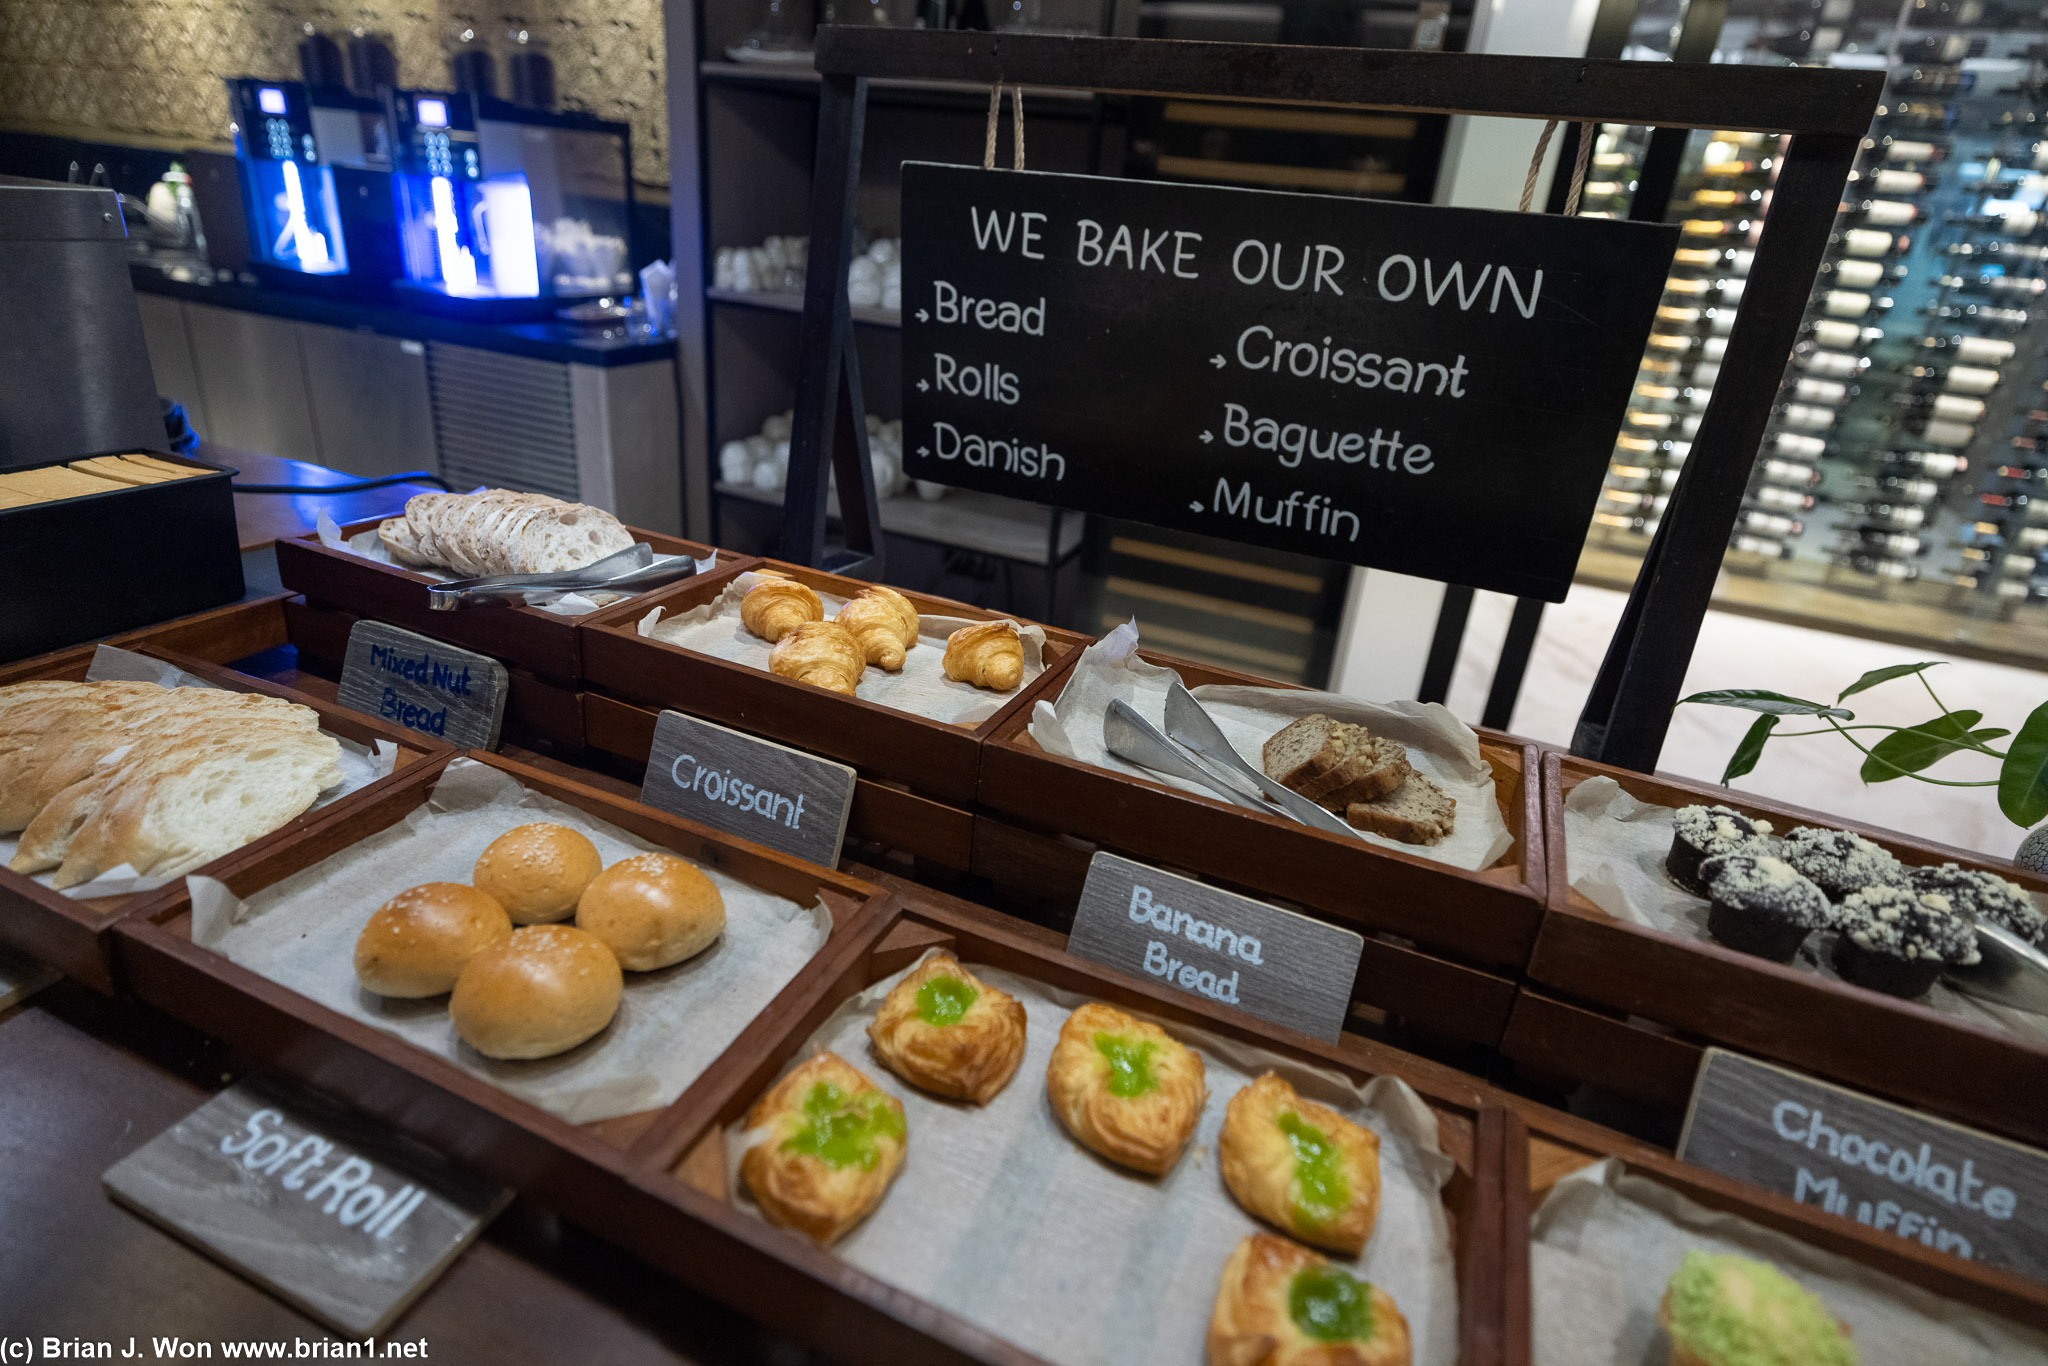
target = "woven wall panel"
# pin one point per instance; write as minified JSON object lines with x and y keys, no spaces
{"x":154,"y":67}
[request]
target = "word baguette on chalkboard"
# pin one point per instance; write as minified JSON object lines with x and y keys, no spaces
{"x":1275,"y":964}
{"x":1889,"y":1168}
{"x":1430,"y":390}
{"x":316,"y":1203}
{"x":424,"y":685}
{"x":746,"y":786}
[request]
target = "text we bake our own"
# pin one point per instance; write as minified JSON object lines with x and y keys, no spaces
{"x":332,"y":1179}
{"x":1273,"y":438}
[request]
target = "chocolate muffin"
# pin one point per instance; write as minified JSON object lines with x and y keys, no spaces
{"x":1841,"y":863}
{"x":1699,"y":833}
{"x":1896,"y":940}
{"x":1762,"y":905}
{"x":1977,"y":895}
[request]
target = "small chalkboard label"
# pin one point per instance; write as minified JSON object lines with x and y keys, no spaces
{"x":1426,"y":389}
{"x":327,"y":1210}
{"x":1892,"y":1169}
{"x":768,"y":793}
{"x":1275,"y":964}
{"x":425,"y":685}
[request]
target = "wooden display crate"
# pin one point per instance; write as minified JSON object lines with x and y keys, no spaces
{"x":575,"y":1168}
{"x":1442,"y":999}
{"x":1542,"y":1147}
{"x":1487,"y":918}
{"x":883,"y":813}
{"x":780,"y":1277}
{"x":930,"y":757}
{"x":72,"y":934}
{"x":1847,"y":1034}
{"x":541,"y":643}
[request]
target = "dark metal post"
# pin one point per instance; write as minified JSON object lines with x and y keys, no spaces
{"x":1442,"y":662}
{"x":831,"y":418}
{"x":1629,"y":709}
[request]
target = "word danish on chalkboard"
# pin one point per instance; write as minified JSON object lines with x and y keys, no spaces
{"x":1424,"y":389}
{"x":750,"y":787}
{"x":316,"y":1203}
{"x":1944,"y":1186}
{"x":1276,"y":964}
{"x":424,"y":685}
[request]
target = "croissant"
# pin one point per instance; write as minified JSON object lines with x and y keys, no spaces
{"x":989,"y":655}
{"x":773,"y":607}
{"x":884,"y":623}
{"x":821,"y":653}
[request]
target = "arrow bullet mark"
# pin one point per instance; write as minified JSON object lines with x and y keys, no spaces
{"x":1194,"y":507}
{"x":921,"y":315}
{"x":1218,"y":362}
{"x":1207,"y":438}
{"x":924,"y":450}
{"x":922,"y":386}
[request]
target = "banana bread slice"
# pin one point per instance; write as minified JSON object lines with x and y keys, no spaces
{"x":1418,"y":812}
{"x":1371,"y":767}
{"x":1301,"y":751}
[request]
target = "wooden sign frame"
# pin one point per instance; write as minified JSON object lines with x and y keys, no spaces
{"x":1826,"y":112}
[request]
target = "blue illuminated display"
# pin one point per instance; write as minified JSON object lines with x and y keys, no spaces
{"x":270,"y":100}
{"x":432,"y":113}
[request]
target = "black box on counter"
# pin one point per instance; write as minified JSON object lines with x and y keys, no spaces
{"x":89,"y":564}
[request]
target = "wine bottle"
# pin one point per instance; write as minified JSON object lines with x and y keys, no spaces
{"x":1837,"y":364}
{"x":1938,"y":431}
{"x":1856,"y":274}
{"x":2016,"y":221}
{"x":1911,"y":151}
{"x":1783,"y":500}
{"x":1897,"y":543}
{"x":1870,"y":242}
{"x":1972,"y":350}
{"x":1939,"y":464}
{"x":1890,"y":180}
{"x":1955,"y":379}
{"x":1769,"y":523}
{"x":1881,"y":213}
{"x":1999,"y":250}
{"x":1866,"y":563}
{"x":1946,"y":407}
{"x":1983,"y":315}
{"x":1807,"y":389}
{"x":1758,"y":545}
{"x":1841,"y":336}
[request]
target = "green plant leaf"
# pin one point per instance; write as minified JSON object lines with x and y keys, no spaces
{"x":2023,"y":777}
{"x":1774,"y":703}
{"x":1886,"y":675}
{"x":1912,"y":748}
{"x":1745,"y":756}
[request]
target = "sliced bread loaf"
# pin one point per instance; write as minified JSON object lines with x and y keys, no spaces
{"x":1300,"y":751}
{"x":1368,"y":766}
{"x":1418,"y":812}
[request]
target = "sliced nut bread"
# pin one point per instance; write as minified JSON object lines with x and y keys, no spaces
{"x":1369,"y":767}
{"x":1301,"y":750}
{"x":1418,"y":812}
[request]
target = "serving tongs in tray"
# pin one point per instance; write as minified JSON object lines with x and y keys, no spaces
{"x":2008,"y":970}
{"x":629,"y":571}
{"x":1194,"y":747}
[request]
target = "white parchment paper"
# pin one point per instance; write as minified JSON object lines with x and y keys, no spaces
{"x":361,"y":765}
{"x":1605,"y":1243}
{"x":1440,"y":746}
{"x":369,"y":546}
{"x":999,"y":1216}
{"x":920,"y":687}
{"x":1614,"y":850}
{"x":672,"y":1024}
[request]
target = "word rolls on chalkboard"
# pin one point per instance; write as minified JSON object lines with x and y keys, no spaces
{"x":1430,"y":390}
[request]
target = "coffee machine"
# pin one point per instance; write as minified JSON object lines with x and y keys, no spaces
{"x":316,"y":184}
{"x":506,"y":212}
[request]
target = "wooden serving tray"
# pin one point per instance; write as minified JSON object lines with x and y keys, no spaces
{"x":541,"y":643}
{"x":1847,"y":1034}
{"x":1486,"y":918}
{"x":72,"y":934}
{"x":573,"y":1167}
{"x":938,"y":760}
{"x":782,"y":1278}
{"x":883,"y":813}
{"x":1542,"y":1147}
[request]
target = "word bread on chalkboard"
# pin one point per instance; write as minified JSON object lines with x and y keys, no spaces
{"x":1424,"y":389}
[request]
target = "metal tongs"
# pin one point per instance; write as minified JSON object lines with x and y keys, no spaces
{"x":2009,"y":970}
{"x":1194,"y":748}
{"x":628,"y":571}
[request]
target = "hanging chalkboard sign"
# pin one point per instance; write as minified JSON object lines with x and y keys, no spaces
{"x":1424,"y":389}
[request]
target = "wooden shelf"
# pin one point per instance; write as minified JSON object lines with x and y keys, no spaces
{"x":986,"y":522}
{"x":794,"y":303}
{"x":798,"y":77}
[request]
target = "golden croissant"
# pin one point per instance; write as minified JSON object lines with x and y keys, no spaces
{"x":821,"y":653}
{"x":773,"y":608}
{"x":884,"y":623}
{"x":989,"y":655}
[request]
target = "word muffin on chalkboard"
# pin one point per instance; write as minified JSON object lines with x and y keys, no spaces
{"x":1424,"y":389}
